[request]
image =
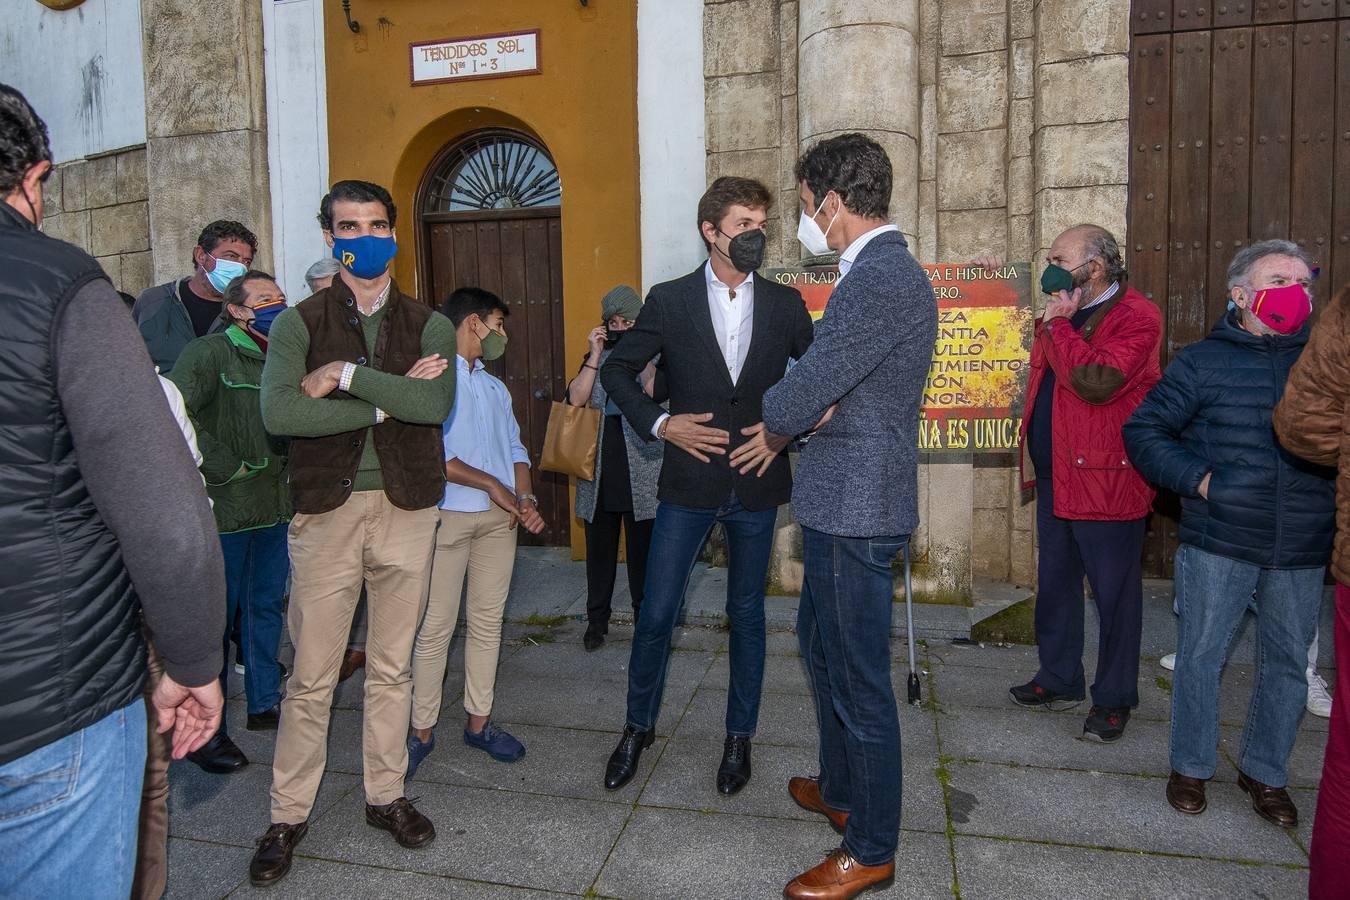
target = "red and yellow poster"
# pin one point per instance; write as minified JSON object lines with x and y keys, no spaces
{"x":978,"y":375}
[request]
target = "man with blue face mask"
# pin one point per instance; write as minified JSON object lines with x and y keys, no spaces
{"x":169,"y":315}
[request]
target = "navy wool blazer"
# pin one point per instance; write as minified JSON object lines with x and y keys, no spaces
{"x":676,"y":324}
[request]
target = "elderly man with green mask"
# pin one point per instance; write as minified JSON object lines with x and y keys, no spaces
{"x":1094,"y":359}
{"x":622,"y":495}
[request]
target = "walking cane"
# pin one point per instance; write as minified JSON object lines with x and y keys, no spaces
{"x":914,"y":694}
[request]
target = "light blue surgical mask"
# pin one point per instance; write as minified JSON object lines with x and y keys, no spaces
{"x":226,"y":270}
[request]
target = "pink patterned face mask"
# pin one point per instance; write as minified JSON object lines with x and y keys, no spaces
{"x":1283,"y":309}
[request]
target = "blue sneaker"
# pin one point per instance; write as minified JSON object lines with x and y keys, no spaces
{"x":418,"y":750}
{"x":495,"y":742}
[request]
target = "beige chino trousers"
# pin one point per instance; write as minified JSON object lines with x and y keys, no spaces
{"x":483,"y":546}
{"x":370,"y":539}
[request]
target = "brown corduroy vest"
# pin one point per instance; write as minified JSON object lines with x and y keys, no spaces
{"x":411,"y":456}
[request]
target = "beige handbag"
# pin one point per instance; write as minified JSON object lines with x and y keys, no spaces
{"x":569,"y":442}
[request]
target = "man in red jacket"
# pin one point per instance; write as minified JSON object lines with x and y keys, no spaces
{"x":1094,"y":358}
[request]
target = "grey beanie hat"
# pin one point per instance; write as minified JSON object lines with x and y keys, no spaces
{"x":620,"y":301}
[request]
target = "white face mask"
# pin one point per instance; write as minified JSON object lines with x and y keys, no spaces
{"x":810,"y":235}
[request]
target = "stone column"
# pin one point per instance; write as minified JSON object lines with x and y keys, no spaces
{"x":206,"y":128}
{"x":858,"y":70}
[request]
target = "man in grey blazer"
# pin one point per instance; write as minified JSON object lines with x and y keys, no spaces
{"x":854,"y":497}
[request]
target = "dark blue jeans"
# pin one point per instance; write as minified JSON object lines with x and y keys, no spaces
{"x":677,"y":538}
{"x":256,"y":565}
{"x":844,"y":630}
{"x":1111,"y":555}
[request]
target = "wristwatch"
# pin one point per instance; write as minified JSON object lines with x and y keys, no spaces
{"x":521,"y":498}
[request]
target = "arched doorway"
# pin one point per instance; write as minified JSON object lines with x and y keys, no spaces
{"x":491,"y":216}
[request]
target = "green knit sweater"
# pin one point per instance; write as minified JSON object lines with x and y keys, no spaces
{"x":288,"y":410}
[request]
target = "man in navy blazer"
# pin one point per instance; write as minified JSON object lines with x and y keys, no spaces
{"x":725,"y":336}
{"x":855,"y":498}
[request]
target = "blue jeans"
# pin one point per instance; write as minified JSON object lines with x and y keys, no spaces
{"x":1213,"y":593}
{"x":677,"y":537}
{"x":68,"y":812}
{"x":256,"y":565}
{"x":844,"y":630}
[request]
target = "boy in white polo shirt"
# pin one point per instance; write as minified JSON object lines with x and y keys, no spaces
{"x":488,"y":492}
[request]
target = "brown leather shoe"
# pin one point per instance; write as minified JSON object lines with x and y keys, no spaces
{"x":806,"y":792}
{"x":355,"y":659}
{"x":1271,"y":803}
{"x":1186,"y":794}
{"x":272,"y":860}
{"x":408,"y":826}
{"x":839,"y":877}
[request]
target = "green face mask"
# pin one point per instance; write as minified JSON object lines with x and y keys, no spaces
{"x":1055,"y":279}
{"x":494,"y":345}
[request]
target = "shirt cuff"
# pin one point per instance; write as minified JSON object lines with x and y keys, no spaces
{"x":345,"y":382}
{"x":656,"y":429}
{"x":380,"y":415}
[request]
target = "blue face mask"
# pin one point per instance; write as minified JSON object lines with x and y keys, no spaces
{"x":265,"y":314}
{"x":226,"y":270}
{"x":367,"y":256}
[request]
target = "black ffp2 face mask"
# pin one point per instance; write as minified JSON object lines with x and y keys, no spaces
{"x":746,"y":250}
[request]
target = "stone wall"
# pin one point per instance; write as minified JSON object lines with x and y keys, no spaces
{"x":1017,"y":112}
{"x":206,"y":125}
{"x":100,"y":205}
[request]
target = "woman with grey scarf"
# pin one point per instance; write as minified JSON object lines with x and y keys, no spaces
{"x":623,"y":492}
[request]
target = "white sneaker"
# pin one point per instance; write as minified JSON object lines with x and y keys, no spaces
{"x":1169,"y":662}
{"x":1319,"y":701}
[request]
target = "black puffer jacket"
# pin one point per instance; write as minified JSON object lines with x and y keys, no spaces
{"x":1212,"y":413}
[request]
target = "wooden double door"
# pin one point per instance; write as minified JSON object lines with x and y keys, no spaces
{"x":1239,"y":132}
{"x":516,"y":254}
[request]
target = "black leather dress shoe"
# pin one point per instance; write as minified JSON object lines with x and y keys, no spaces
{"x":219,"y":756}
{"x":266,"y":720}
{"x":623,"y":762}
{"x":272,"y":860}
{"x":401,"y":819}
{"x":734,"y":772}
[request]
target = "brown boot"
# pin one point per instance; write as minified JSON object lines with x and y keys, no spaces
{"x":839,"y":877}
{"x":272,"y":860}
{"x":1271,"y":803}
{"x":1186,"y":794}
{"x":355,"y":659}
{"x":806,"y":793}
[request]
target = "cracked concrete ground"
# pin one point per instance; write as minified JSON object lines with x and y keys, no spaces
{"x":999,"y":801}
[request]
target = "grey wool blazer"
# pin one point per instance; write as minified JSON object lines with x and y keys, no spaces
{"x":857,"y":477}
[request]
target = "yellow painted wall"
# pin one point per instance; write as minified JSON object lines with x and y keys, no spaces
{"x":583,"y":106}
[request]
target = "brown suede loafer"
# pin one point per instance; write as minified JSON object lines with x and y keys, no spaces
{"x":839,"y":877}
{"x":272,"y":860}
{"x":1271,"y":803}
{"x":401,"y":819}
{"x":1186,"y":794}
{"x":806,"y":793}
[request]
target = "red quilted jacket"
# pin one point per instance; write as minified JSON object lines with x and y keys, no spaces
{"x":1101,"y":374}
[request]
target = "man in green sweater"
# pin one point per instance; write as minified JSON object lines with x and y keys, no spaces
{"x":358,"y":377}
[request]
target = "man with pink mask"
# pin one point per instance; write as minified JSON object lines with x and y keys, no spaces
{"x":1255,"y":520}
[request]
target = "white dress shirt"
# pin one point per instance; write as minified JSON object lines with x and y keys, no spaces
{"x":483,"y":432}
{"x":850,"y":254}
{"x":732,"y":318}
{"x":733,"y":322}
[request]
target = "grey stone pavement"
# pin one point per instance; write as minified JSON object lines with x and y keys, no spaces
{"x":999,"y":801}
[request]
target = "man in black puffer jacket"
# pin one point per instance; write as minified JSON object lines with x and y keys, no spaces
{"x":103,"y":518}
{"x":1255,"y":520}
